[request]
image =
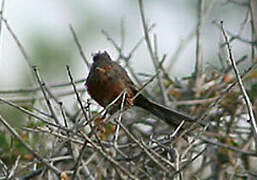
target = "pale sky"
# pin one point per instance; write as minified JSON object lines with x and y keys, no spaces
{"x":174,"y":21}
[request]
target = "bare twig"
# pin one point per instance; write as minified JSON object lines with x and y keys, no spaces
{"x":151,"y":51}
{"x":32,"y":67}
{"x":140,"y":41}
{"x":30,"y":113}
{"x":109,"y":158}
{"x":188,"y":163}
{"x":236,"y":36}
{"x":28,"y":147}
{"x":63,"y":114}
{"x":147,"y":38}
{"x":22,"y":49}
{"x":4,"y":168}
{"x":147,"y":83}
{"x":189,"y":37}
{"x":217,"y":101}
{"x":253,"y":9}
{"x":55,"y":134}
{"x":75,"y":37}
{"x":12,"y":172}
{"x":1,"y":16}
{"x":157,"y":66}
{"x":151,"y":154}
{"x":77,"y":94}
{"x":117,"y":130}
{"x":231,"y":148}
{"x":158,"y":156}
{"x":240,"y":83}
{"x":195,"y":101}
{"x":35,"y":89}
{"x":42,"y":86}
{"x":177,"y":165}
{"x":117,"y":47}
{"x":199,"y":54}
{"x":76,"y":165}
{"x":253,"y":12}
{"x":24,"y":99}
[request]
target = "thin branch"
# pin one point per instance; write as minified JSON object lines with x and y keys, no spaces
{"x":188,"y":38}
{"x":240,"y":83}
{"x":4,"y":168}
{"x":188,"y":163}
{"x":22,"y":49}
{"x":253,"y":12}
{"x":75,"y":37}
{"x":144,"y":148}
{"x":146,"y":84}
{"x":106,"y":109}
{"x":77,"y":163}
{"x":237,"y":36}
{"x":43,"y":90}
{"x":147,"y":38}
{"x":1,"y":17}
{"x":140,"y":41}
{"x":151,"y":51}
{"x":63,"y":115}
{"x":28,"y":147}
{"x":12,"y":172}
{"x":109,"y":158}
{"x":226,"y":91}
{"x":199,"y":54}
{"x":216,"y":102}
{"x":41,"y":97}
{"x":231,"y":148}
{"x":194,"y":101}
{"x":77,"y":94}
{"x":157,"y":66}
{"x":117,"y":130}
{"x":117,"y":47}
{"x":30,"y":113}
{"x":35,"y":89}
{"x":55,"y":134}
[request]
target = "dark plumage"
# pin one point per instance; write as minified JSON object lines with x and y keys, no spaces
{"x":107,"y":79}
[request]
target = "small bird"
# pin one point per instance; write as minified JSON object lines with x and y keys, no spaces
{"x":107,"y":80}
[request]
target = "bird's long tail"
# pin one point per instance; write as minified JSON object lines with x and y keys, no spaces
{"x":170,"y":116}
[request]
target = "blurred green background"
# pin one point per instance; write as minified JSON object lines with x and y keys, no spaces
{"x":43,"y":29}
